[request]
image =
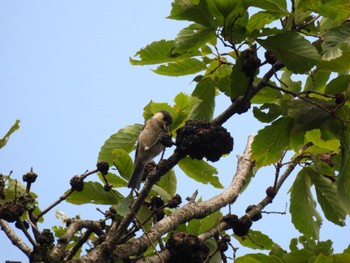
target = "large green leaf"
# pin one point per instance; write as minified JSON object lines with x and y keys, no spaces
{"x":338,"y":85}
{"x":187,"y":66}
{"x":258,"y":20}
{"x":196,"y":11}
{"x":256,"y":240}
{"x":123,"y":162}
{"x":303,"y":206}
{"x":276,"y":7}
{"x":13,"y":128}
{"x":271,"y":142}
{"x":258,"y":258}
{"x":335,"y":41}
{"x":94,"y":193}
{"x":327,"y":197}
{"x":296,"y":53}
{"x":124,"y":139}
{"x":204,"y":108}
{"x":193,"y":37}
{"x":113,"y":179}
{"x":200,"y":171}
{"x":317,"y":80}
{"x":340,"y":64}
{"x":343,"y":182}
{"x":337,"y":10}
{"x":166,"y":186}
{"x":159,"y":52}
{"x":273,"y":112}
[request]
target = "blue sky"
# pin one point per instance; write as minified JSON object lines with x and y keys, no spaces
{"x":65,"y":73}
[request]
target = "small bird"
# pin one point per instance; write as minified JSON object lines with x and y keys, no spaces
{"x":148,"y":145}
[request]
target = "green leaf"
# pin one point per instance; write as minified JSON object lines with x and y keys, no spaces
{"x":124,"y":139}
{"x":274,"y":111}
{"x":338,"y":85}
{"x":277,"y":7}
{"x":184,"y":67}
{"x":123,"y":207}
{"x":337,"y":10}
{"x":303,"y":206}
{"x":239,"y":81}
{"x":222,"y":77}
{"x":291,"y":85}
{"x":113,"y":179}
{"x":340,"y":64}
{"x":123,"y":163}
{"x":4,"y":140}
{"x":94,"y":193}
{"x":158,"y":52}
{"x":321,"y":145}
{"x":215,"y":256}
{"x":270,"y":142}
{"x":167,"y":185}
{"x":258,"y":258}
{"x":343,"y":182}
{"x":196,"y":11}
{"x":258,"y":20}
{"x":317,"y":80}
{"x":204,"y":108}
{"x":341,"y":258}
{"x":209,"y":222}
{"x":300,"y":256}
{"x":335,"y":40}
{"x":193,"y":37}
{"x":296,"y":53}
{"x":200,"y":171}
{"x":267,"y":95}
{"x":256,"y":240}
{"x":327,"y":197}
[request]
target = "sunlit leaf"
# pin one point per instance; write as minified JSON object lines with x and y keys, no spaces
{"x":167,"y":185}
{"x":296,"y":53}
{"x":327,"y":197}
{"x":343,"y":182}
{"x":196,"y":11}
{"x":180,"y":68}
{"x":123,"y":162}
{"x":4,"y":140}
{"x":271,"y":142}
{"x":124,"y":139}
{"x":200,"y":171}
{"x":303,"y":206}
{"x":193,"y":37}
{"x":258,"y":258}
{"x":256,"y":240}
{"x":94,"y":193}
{"x":113,"y":179}
{"x":204,"y":108}
{"x":335,"y":40}
{"x":158,"y":52}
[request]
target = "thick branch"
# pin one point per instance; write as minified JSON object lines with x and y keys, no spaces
{"x":73,"y":228}
{"x":192,"y":210}
{"x":14,"y":238}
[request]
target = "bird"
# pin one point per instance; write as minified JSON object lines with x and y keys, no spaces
{"x":148,"y":145}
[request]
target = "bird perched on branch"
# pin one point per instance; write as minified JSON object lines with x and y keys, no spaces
{"x":149,"y":145}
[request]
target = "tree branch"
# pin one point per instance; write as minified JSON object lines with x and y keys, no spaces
{"x":16,"y":241}
{"x":192,"y":210}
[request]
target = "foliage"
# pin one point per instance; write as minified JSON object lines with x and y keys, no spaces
{"x":290,"y":63}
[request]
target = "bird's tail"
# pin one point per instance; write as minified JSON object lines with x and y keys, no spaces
{"x":136,"y":177}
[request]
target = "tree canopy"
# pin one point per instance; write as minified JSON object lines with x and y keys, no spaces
{"x":288,"y":62}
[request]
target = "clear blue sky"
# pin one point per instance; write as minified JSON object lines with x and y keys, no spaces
{"x":65,"y":73}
